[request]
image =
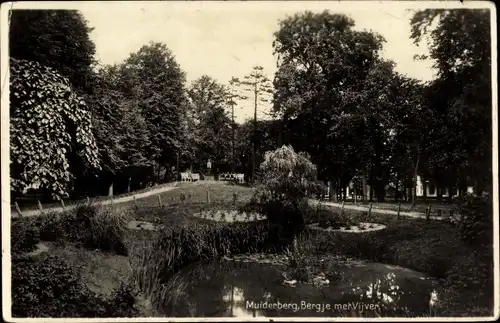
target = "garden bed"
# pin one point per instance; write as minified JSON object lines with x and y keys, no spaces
{"x":229,"y":216}
{"x":362,"y":227}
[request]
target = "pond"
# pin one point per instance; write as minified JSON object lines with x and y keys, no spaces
{"x":225,"y":288}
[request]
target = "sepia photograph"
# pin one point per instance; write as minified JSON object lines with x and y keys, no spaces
{"x":249,"y":160}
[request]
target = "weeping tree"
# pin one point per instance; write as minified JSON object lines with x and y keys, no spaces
{"x":287,"y":179}
{"x":51,"y":130}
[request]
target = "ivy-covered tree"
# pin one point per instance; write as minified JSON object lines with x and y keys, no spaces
{"x":49,"y":123}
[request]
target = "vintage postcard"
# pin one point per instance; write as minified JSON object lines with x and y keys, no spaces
{"x":249,"y":161}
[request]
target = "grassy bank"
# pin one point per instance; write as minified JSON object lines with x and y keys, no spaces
{"x":435,"y":248}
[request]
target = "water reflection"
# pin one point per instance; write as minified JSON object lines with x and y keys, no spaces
{"x":242,"y":289}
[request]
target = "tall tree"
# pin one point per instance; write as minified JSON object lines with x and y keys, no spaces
{"x":120,"y":130}
{"x":234,"y":96}
{"x":459,"y":42}
{"x":259,"y":85}
{"x":213,"y":125}
{"x":59,"y":39}
{"x":321,"y":90}
{"x":153,"y":80}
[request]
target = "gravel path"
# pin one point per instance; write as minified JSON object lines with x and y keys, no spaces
{"x":117,"y":200}
{"x":410,"y":214}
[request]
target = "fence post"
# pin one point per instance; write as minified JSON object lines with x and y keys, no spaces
{"x":18,"y":210}
{"x":370,"y":209}
{"x":399,"y":210}
{"x":159,"y":201}
{"x":235,"y":197}
{"x":40,"y":207}
{"x":342,"y":209}
{"x":208,"y":196}
{"x":428,"y":215}
{"x":135,"y":203}
{"x":62,"y":205}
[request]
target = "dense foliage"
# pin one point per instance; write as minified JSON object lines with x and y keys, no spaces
{"x":59,"y":39}
{"x":460,"y":96}
{"x":358,"y":118}
{"x":476,"y":224}
{"x":51,"y":287}
{"x":50,"y":125}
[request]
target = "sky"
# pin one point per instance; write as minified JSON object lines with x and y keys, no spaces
{"x":227,"y":40}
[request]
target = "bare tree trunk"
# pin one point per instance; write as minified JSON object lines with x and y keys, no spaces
{"x":365,"y":191}
{"x":415,"y":175}
{"x":424,"y":186}
{"x":396,"y":194}
{"x":110,"y":189}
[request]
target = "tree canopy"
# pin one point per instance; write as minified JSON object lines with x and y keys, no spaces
{"x":211,"y":128}
{"x":459,"y":42}
{"x":59,"y":39}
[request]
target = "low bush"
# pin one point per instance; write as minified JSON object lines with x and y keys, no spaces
{"x":92,"y":226}
{"x":24,"y":235}
{"x":52,"y":227}
{"x":53,"y":288}
{"x":470,"y":278}
{"x":476,"y":224}
{"x":301,"y":263}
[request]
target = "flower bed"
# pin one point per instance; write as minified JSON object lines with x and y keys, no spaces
{"x":359,"y":228}
{"x":229,"y":216}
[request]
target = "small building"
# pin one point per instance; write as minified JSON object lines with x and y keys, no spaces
{"x":431,"y":189}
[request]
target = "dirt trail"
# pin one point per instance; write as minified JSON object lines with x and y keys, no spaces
{"x":117,"y":200}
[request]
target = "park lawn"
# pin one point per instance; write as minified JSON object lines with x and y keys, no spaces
{"x":196,"y":193}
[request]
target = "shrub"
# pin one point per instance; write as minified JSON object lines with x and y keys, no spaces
{"x":476,"y":224}
{"x":122,"y":302}
{"x":471,"y":278}
{"x":300,"y":262}
{"x":53,"y":288}
{"x":92,"y":226}
{"x":107,"y":231}
{"x":24,"y":235}
{"x":52,"y":227}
